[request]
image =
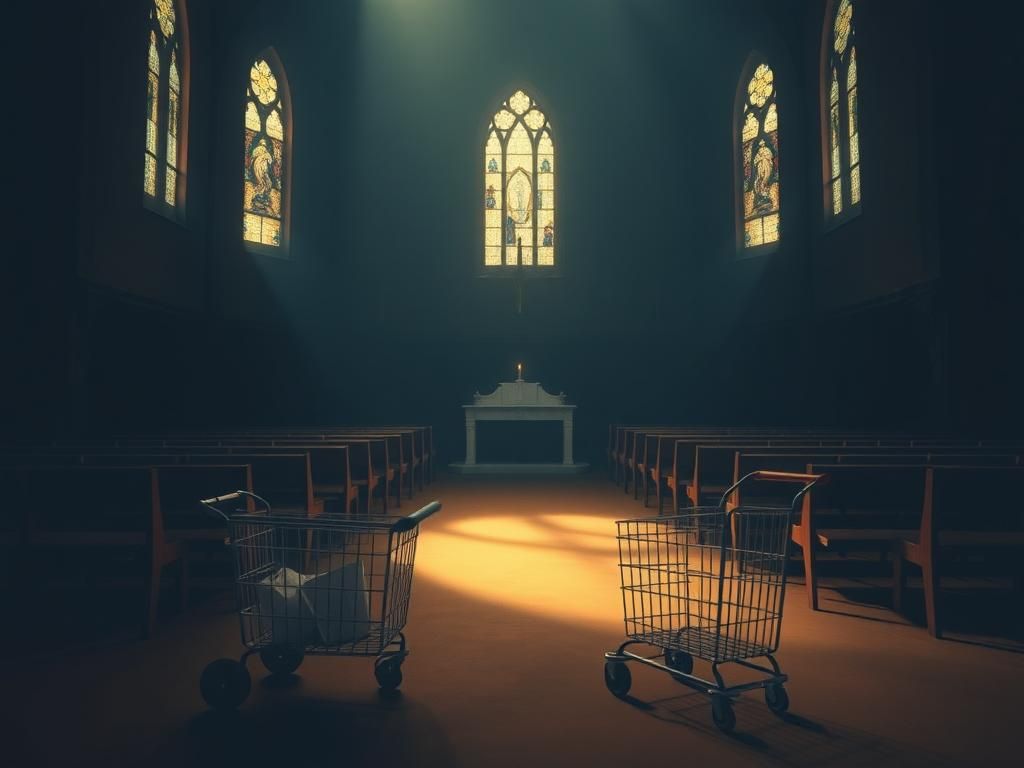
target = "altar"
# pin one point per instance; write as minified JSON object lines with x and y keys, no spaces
{"x":519,"y":401}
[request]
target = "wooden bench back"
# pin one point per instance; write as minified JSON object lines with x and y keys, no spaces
{"x":870,"y":495}
{"x":285,"y":480}
{"x":90,"y":499}
{"x":976,"y":498}
{"x":181,"y":486}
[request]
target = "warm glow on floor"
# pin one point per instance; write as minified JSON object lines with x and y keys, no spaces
{"x":562,"y":566}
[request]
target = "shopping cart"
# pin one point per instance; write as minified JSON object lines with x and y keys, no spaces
{"x":329,"y":585}
{"x":708,"y":584}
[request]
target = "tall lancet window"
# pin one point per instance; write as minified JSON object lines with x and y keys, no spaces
{"x":759,"y":159}
{"x":265,"y":187}
{"x":519,"y":186}
{"x":842,"y":123}
{"x":163,"y":180}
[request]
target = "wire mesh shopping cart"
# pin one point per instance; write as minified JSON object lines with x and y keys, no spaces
{"x":329,"y":585}
{"x":708,"y":584}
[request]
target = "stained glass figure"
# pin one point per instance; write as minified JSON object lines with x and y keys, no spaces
{"x":843,"y":128}
{"x":264,"y":180}
{"x":851,"y":95}
{"x":163,"y":162}
{"x":759,"y":148}
{"x":152,"y":116}
{"x":519,"y":197}
{"x":173,"y":116}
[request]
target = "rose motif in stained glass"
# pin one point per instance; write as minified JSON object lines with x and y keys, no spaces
{"x":504,"y":119}
{"x":534,"y":119}
{"x":761,"y":85}
{"x":263,"y":82}
{"x":519,"y":102}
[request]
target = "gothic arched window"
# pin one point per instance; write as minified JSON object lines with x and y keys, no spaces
{"x":842,"y":124}
{"x":519,"y":186}
{"x":265,"y":188}
{"x":759,"y":158}
{"x":166,"y":104}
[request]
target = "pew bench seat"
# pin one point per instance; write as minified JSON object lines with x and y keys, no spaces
{"x":836,"y":536}
{"x":968,"y":539}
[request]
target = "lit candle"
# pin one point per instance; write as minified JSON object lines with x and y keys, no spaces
{"x":519,"y":371}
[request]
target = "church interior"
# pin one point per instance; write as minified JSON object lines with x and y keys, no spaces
{"x":547,"y":383}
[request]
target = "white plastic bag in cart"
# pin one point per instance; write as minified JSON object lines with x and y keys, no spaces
{"x":340,"y":602}
{"x":284,"y":609}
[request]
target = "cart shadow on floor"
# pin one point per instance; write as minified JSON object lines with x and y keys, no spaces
{"x":281,"y":682}
{"x":289,"y":730}
{"x":788,"y":740}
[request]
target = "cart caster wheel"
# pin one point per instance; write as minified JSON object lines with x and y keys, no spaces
{"x":280,"y":659}
{"x":388,"y":671}
{"x":776,"y":698}
{"x":722,"y":714}
{"x":679,"y":661}
{"x":618,"y":678}
{"x":225,"y":683}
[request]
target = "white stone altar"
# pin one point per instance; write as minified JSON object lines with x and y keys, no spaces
{"x":519,"y":401}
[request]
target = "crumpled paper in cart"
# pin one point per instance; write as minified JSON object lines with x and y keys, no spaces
{"x":329,"y":608}
{"x":340,"y":603}
{"x":286,"y":608}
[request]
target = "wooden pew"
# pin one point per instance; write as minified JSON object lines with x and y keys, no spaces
{"x":400,"y":458}
{"x":331,"y":470}
{"x":369,"y":463}
{"x":88,"y":511}
{"x":339,"y":469}
{"x":285,"y":480}
{"x":715,"y":466}
{"x":329,"y":467}
{"x":964,"y":509}
{"x":181,"y":486}
{"x":624,"y":450}
{"x":863,"y":507}
{"x":418,"y":441}
{"x":679,"y":477}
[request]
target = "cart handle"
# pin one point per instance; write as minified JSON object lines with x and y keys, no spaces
{"x":209,"y":503}
{"x":409,"y":522}
{"x":783,"y":477}
{"x":788,"y":477}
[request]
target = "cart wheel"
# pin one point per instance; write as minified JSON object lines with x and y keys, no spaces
{"x":722,"y":714}
{"x":388,"y":671}
{"x":225,"y":683}
{"x":618,"y":678}
{"x":776,"y":698}
{"x":280,"y":659}
{"x":679,"y":661}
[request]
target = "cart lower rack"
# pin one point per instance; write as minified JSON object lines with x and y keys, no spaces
{"x":708,"y":584}
{"x":329,"y":585}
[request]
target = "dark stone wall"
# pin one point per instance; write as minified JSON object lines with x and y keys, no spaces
{"x":120,"y":319}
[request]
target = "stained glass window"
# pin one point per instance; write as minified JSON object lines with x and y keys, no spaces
{"x":519,"y":186}
{"x":843,"y":125}
{"x":266,"y":131}
{"x":163,"y":161}
{"x":759,"y":148}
